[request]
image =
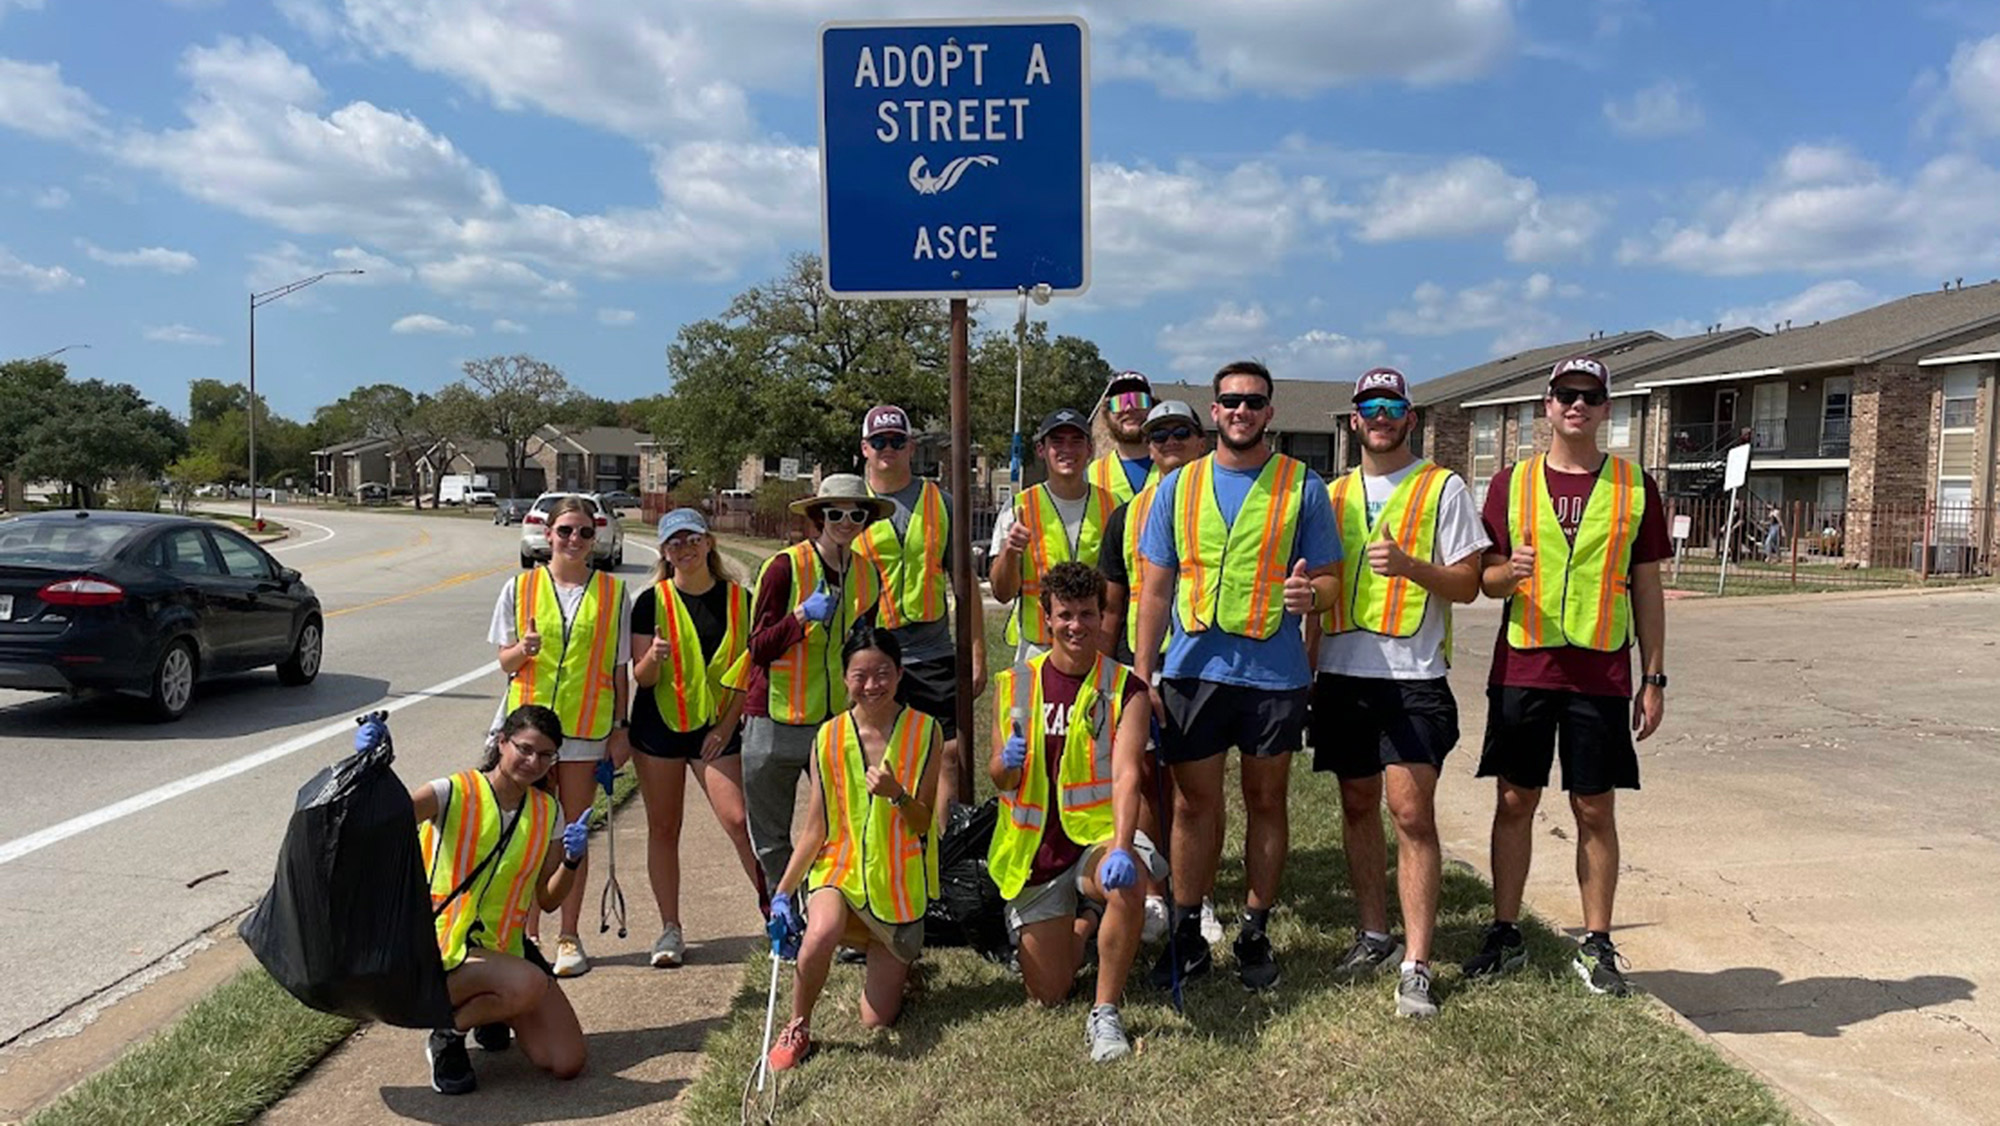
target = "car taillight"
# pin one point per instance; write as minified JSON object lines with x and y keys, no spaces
{"x":600,"y":521}
{"x":532,"y":518}
{"x":81,"y":591}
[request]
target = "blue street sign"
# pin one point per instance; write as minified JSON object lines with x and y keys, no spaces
{"x":955,"y":157}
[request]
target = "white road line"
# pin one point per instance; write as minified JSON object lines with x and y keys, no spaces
{"x":330,"y":533}
{"x":22,"y":846}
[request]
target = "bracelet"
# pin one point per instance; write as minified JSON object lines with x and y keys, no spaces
{"x":571,"y":863}
{"x":901,"y":800}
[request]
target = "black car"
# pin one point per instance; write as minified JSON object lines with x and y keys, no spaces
{"x":148,"y":605}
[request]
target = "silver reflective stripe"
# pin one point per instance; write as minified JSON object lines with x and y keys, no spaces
{"x":1077,"y":797}
{"x":1027,"y":817}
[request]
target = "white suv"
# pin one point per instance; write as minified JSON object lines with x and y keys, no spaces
{"x":607,"y":551}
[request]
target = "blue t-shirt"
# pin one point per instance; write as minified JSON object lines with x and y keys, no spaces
{"x":1279,"y":661}
{"x":1136,"y":469}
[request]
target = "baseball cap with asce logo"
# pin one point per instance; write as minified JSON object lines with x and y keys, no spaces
{"x":1581,"y":365}
{"x":885,"y":419}
{"x":1376,"y":383}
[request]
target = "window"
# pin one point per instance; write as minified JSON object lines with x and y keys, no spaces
{"x":1957,"y":456}
{"x":61,"y":543}
{"x":1316,"y":450}
{"x":1485,"y":448}
{"x":184,"y":552}
{"x":1767,"y":414}
{"x":1961,"y":397}
{"x":1618,"y":429}
{"x":240,"y":557}
{"x":1524,"y":429}
{"x":1836,"y":413}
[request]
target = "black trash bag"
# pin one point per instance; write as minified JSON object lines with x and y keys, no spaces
{"x":968,"y":910}
{"x":346,"y":927}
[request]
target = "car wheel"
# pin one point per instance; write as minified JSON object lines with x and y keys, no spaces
{"x":303,"y":665}
{"x":173,"y":683}
{"x":527,"y":561}
{"x":618,"y":557}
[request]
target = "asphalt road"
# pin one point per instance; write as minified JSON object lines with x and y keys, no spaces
{"x":109,"y":819}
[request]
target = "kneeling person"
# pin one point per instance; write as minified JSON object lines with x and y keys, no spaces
{"x":1071,"y":738}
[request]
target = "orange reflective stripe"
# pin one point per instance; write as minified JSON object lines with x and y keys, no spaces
{"x":1337,"y":496}
{"x":666,"y":609}
{"x":471,"y":813}
{"x":932,"y":500}
{"x":531,"y":865}
{"x":1398,"y":591}
{"x":1267,"y":562}
{"x":525,"y":589}
{"x":1529,"y":517}
{"x":587,"y":717}
{"x":1189,"y":527}
{"x":1621,"y":514}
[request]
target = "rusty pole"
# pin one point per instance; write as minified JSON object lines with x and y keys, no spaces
{"x":1796,"y":505}
{"x":963,"y":589}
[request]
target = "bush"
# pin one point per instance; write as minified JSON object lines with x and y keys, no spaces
{"x":135,"y":494}
{"x":774,"y":498}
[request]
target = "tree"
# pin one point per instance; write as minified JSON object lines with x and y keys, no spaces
{"x":210,"y":399}
{"x":27,"y":388}
{"x":189,"y":472}
{"x":506,"y":399}
{"x":1065,"y":372}
{"x":392,"y":414}
{"x":96,"y":430}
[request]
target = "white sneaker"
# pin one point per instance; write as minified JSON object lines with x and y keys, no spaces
{"x":670,"y":949}
{"x":1211,"y":927}
{"x":1155,"y":927}
{"x":571,"y":961}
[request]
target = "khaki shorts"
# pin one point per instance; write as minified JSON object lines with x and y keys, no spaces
{"x":903,"y":941}
{"x":1061,"y":896}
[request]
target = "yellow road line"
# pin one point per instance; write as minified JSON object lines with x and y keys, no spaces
{"x":455,"y":580}
{"x":423,"y":540}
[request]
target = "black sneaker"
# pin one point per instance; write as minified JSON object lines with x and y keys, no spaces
{"x":1601,"y":967}
{"x":1196,"y":960}
{"x":850,"y":956}
{"x":1369,"y":956}
{"x":1255,"y":966}
{"x":451,"y":1065}
{"x":1501,"y":951}
{"x":493,"y":1037}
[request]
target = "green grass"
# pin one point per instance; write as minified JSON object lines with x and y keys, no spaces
{"x":234,"y":1053}
{"x":240,"y":520}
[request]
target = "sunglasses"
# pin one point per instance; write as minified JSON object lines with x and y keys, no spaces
{"x":888,"y":441}
{"x":1382,"y":408}
{"x":1591,"y":396}
{"x":1164,"y":434}
{"x":539,"y":756}
{"x":1131,"y":400}
{"x":1251,"y":402}
{"x":687,"y":539}
{"x":580,"y":531}
{"x":850,"y":515}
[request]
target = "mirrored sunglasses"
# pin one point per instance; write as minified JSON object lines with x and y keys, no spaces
{"x":1131,"y":400}
{"x":1382,"y":408}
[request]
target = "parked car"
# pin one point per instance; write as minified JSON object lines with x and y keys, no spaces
{"x":147,"y":605}
{"x":619,"y":500}
{"x":607,"y":551}
{"x":510,"y":510}
{"x":479,"y":496}
{"x":211,"y":490}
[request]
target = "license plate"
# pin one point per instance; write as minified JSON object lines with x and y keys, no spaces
{"x":6,"y":607}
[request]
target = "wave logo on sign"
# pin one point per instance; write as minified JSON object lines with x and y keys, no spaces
{"x":927,"y":184}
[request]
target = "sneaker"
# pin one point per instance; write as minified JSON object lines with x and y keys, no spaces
{"x":571,"y":961}
{"x":1255,"y":966}
{"x":1501,"y":951}
{"x":1196,"y":960}
{"x":1104,"y":1031}
{"x":794,"y":1044}
{"x":1211,"y":927}
{"x":849,"y":956}
{"x":1155,"y":927}
{"x":1601,"y":967}
{"x":493,"y":1037}
{"x":1413,"y":993}
{"x":451,"y":1065}
{"x":670,"y":949}
{"x":1369,"y":956}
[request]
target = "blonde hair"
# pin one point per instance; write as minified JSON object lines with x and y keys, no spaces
{"x":718,"y":568}
{"x":569,"y":504}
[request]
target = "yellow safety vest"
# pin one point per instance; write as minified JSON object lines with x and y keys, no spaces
{"x":498,"y":902}
{"x":1232,"y":575}
{"x":1108,"y":473}
{"x":1084,"y":775}
{"x":689,"y":691}
{"x":871,"y":854}
{"x":912,"y":564}
{"x":1048,"y":545}
{"x":572,"y":675}
{"x":1579,"y":593}
{"x":1392,"y":607}
{"x":806,"y":682}
{"x":1137,"y":513}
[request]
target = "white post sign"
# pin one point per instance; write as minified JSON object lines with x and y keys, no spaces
{"x":1735,"y":473}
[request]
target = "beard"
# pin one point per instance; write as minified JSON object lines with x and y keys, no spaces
{"x":1250,"y":443}
{"x":1124,"y":432}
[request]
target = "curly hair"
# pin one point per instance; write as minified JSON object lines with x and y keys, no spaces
{"x":1072,"y":582}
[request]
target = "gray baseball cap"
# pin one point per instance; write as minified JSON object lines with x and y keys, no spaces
{"x":1174,"y":410}
{"x":682,"y":520}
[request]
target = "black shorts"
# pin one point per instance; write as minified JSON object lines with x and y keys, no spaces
{"x":1361,"y":724}
{"x":664,"y":742}
{"x":931,"y":687}
{"x":1205,"y":719}
{"x":1527,"y":727}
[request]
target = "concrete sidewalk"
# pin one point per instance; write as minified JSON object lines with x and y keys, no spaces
{"x":644,"y":1026}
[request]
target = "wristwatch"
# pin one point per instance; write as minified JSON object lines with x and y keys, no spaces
{"x":901,"y":800}
{"x":1657,"y":679}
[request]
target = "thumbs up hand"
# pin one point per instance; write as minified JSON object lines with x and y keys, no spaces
{"x":1387,"y":558}
{"x":531,"y":641}
{"x":1522,"y":561}
{"x":1299,"y":595}
{"x":576,"y":838}
{"x":818,"y":606}
{"x":1014,"y":753}
{"x":660,"y":650}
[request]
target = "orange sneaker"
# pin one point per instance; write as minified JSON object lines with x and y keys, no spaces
{"x":793,"y":1046}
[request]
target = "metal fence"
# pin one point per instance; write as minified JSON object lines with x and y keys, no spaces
{"x":1802,"y":545}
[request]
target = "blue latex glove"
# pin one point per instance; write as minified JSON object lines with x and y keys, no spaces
{"x":1118,"y":871}
{"x":576,"y":837}
{"x":373,"y":732}
{"x":1014,"y":753}
{"x":818,"y":606}
{"x":784,"y":927}
{"x":605,"y":773}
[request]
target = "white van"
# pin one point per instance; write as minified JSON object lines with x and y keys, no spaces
{"x":464,"y":488}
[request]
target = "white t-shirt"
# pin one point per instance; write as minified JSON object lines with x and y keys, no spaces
{"x":1071,"y":512}
{"x":1419,"y":657}
{"x":501,"y":632}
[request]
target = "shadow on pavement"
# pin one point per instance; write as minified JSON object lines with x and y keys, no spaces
{"x":1752,"y":999}
{"x":227,"y":708}
{"x":513,"y":1093}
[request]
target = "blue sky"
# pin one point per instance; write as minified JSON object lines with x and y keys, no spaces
{"x":1327,"y":184}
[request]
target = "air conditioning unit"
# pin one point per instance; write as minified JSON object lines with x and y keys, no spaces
{"x":1944,"y":558}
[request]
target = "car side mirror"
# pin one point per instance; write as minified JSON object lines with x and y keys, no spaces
{"x":287,"y":576}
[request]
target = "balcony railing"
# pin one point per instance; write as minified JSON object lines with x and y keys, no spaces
{"x":1694,"y":443}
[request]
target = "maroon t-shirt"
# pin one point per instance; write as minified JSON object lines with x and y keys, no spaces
{"x":1059,"y":690}
{"x":1568,"y":667}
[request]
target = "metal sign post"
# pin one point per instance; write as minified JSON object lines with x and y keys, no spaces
{"x":1735,"y":474}
{"x":1683,"y":525}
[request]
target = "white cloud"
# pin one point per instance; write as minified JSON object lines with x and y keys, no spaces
{"x":52,"y":198}
{"x":1232,"y":331}
{"x":287,"y":262}
{"x":616,"y":318}
{"x":1520,"y":309}
{"x":430,"y":325}
{"x":1472,"y":196}
{"x":1824,"y":208}
{"x":1975,"y":83}
{"x":512,"y":328}
{"x":1554,"y":229}
{"x":181,"y":334}
{"x":41,"y":279}
{"x":1660,"y":110}
{"x":145,"y":258}
{"x":484,"y":281}
{"x":35,"y":100}
{"x":1821,"y":302}
{"x":24,"y":5}
{"x":1155,"y":231}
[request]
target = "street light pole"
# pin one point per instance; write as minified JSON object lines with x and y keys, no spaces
{"x":56,"y":352}
{"x":256,"y":300}
{"x":1041,"y":295}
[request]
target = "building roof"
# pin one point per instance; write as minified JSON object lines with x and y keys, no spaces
{"x":1907,"y":328}
{"x":1628,"y":367}
{"x":352,"y":446}
{"x":1468,"y":382}
{"x":594,"y":440}
{"x":1978,"y":348}
{"x":1305,"y":406}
